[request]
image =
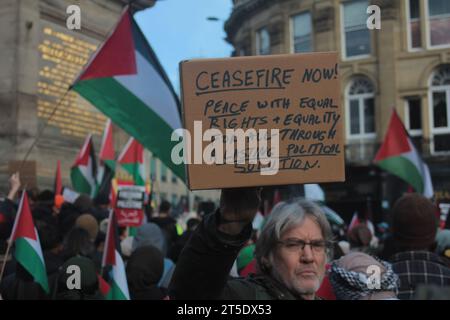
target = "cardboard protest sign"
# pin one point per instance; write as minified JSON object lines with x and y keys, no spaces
{"x":129,"y":206}
{"x":288,"y":107}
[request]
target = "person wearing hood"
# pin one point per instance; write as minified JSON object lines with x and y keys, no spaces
{"x":151,"y":234}
{"x":144,"y":271}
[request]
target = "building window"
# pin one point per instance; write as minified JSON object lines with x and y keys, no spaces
{"x":413,"y":121}
{"x":153,"y":172}
{"x":356,"y":34}
{"x":302,"y":31}
{"x":361,"y":108}
{"x":174,"y":178}
{"x":262,"y":42}
{"x":414,"y":31}
{"x":163,"y":172}
{"x":439,"y":22}
{"x":413,"y":118}
{"x":440,"y":106}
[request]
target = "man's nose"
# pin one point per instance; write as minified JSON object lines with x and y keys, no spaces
{"x":307,"y":255}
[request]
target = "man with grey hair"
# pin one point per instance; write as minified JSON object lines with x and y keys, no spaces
{"x":291,"y":253}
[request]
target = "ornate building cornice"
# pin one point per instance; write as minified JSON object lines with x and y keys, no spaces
{"x":244,"y":11}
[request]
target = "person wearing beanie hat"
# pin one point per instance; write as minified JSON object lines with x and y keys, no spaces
{"x":414,"y":227}
{"x":414,"y":224}
{"x":89,"y":223}
{"x":150,"y":234}
{"x":350,"y":278}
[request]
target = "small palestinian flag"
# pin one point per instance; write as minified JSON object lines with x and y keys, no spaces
{"x":107,"y":163}
{"x":84,"y":171}
{"x":132,"y":160}
{"x":113,"y":264}
{"x":28,"y":250}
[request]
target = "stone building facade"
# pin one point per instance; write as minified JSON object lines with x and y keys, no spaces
{"x":405,"y":64}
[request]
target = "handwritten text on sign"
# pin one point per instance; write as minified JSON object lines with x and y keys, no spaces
{"x":269,"y":120}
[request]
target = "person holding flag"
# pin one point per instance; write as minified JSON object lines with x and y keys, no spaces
{"x":31,"y":280}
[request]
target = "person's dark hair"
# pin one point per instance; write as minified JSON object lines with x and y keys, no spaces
{"x":192,"y":223}
{"x":359,"y":236}
{"x":67,"y":217}
{"x":101,"y":200}
{"x":49,"y":235}
{"x":83,"y":203}
{"x":78,"y":242}
{"x":46,"y":196}
{"x":164,"y":206}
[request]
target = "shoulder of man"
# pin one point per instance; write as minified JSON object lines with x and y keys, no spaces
{"x":245,"y":289}
{"x":254,"y":287}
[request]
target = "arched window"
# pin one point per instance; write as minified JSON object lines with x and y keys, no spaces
{"x":262,"y":41}
{"x":440,"y":109}
{"x":360,"y":99}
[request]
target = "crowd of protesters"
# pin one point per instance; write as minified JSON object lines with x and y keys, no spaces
{"x":234,"y":252}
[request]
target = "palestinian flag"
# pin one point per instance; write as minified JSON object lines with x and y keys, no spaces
{"x":103,"y":286}
{"x":107,"y":163}
{"x":113,"y":264}
{"x":398,"y":156}
{"x":126,"y":82}
{"x":28,"y":250}
{"x":84,"y":170}
{"x":132,"y":160}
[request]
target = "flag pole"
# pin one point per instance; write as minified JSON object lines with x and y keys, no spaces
{"x":5,"y":259}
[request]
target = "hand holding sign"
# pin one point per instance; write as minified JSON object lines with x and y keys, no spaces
{"x":238,"y":208}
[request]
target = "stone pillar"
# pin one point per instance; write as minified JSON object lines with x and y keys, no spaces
{"x":388,"y":38}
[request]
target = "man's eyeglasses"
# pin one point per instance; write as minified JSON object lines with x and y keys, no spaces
{"x":297,"y":245}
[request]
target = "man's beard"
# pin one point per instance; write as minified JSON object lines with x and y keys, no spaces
{"x":297,"y":290}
